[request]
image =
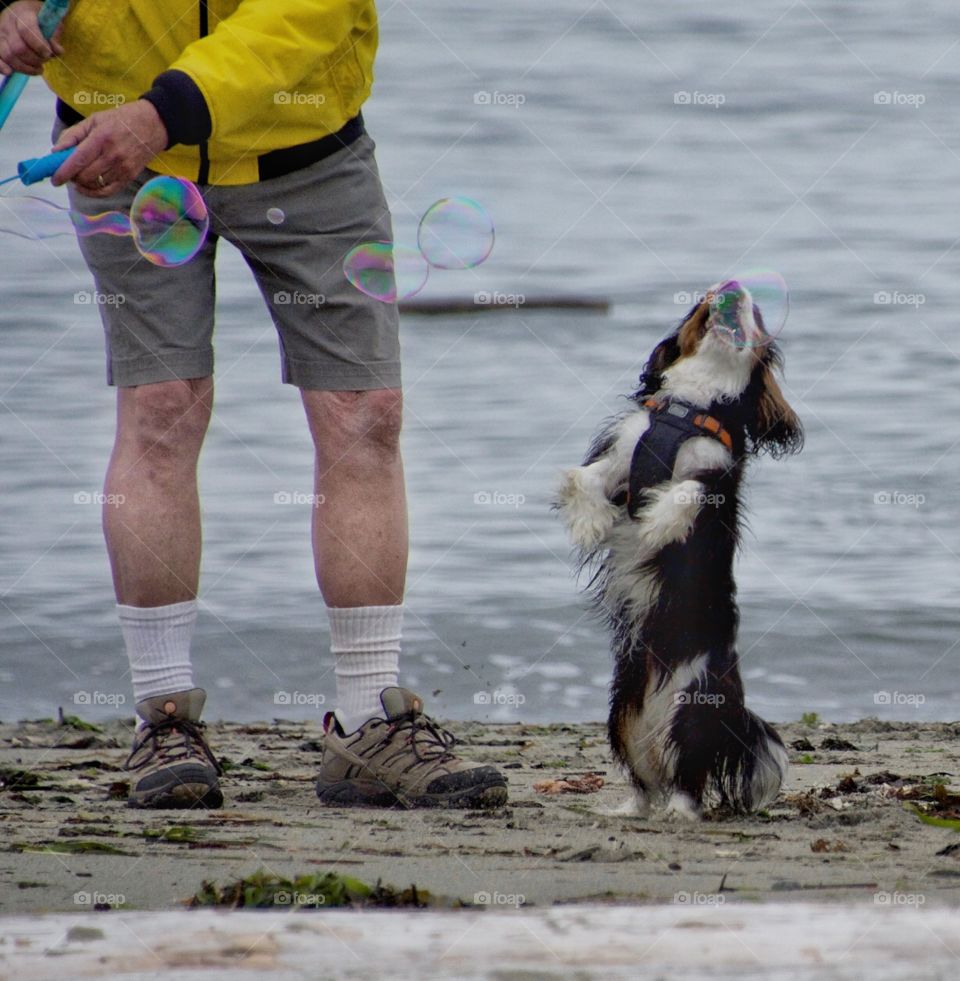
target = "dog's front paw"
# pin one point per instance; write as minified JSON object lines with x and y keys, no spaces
{"x":587,"y":512}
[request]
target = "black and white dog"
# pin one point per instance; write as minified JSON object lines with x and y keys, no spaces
{"x":655,"y":510}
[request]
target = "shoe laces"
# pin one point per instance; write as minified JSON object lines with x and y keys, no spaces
{"x":166,"y":748}
{"x":430,"y":743}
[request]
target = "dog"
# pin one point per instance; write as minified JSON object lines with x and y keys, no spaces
{"x":655,"y":511}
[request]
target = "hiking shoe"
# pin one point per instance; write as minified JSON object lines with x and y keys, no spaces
{"x":404,"y":760}
{"x":170,"y":760}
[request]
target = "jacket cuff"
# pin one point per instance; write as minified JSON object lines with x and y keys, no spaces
{"x":181,"y":107}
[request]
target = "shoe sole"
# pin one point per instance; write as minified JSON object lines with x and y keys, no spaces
{"x":358,"y":793}
{"x":182,"y":796}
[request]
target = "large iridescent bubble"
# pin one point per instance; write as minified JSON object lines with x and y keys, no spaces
{"x":385,"y":271}
{"x":168,"y":220}
{"x":769,"y":294}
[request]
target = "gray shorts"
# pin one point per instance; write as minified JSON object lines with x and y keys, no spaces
{"x":332,"y":336}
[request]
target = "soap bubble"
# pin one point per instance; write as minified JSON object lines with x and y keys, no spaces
{"x":385,"y":271}
{"x":276,"y":216}
{"x":767,"y":290}
{"x":169,"y":221}
{"x":455,"y":233}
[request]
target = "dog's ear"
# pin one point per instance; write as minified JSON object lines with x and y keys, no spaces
{"x":682,"y":342}
{"x":774,"y":428}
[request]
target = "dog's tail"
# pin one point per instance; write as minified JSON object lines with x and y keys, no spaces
{"x":752,"y":764}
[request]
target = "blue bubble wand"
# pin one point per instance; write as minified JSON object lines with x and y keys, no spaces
{"x":51,"y":13}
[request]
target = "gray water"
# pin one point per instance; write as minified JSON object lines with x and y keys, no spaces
{"x":819,"y":139}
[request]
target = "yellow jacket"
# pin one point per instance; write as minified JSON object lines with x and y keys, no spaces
{"x":274,"y":73}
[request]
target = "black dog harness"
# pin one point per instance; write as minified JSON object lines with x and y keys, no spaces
{"x":672,"y":423}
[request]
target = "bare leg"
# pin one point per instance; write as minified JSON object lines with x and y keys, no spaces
{"x":360,"y":514}
{"x":153,"y":529}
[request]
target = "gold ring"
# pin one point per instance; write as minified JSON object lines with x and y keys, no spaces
{"x":101,"y":181}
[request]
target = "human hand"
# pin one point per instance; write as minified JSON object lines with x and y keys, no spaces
{"x":112,"y":148}
{"x":22,"y":47}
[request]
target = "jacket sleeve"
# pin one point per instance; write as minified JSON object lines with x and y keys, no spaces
{"x":265,"y":47}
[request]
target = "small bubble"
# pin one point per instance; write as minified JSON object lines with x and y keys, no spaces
{"x":275,"y":216}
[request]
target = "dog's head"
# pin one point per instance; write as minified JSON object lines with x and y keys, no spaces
{"x":721,"y":355}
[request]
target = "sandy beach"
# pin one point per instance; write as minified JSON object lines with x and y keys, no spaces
{"x":845,"y":828}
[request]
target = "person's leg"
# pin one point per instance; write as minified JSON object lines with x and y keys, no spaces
{"x":151,"y":521}
{"x":359,"y":531}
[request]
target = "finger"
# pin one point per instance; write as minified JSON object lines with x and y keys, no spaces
{"x":84,"y":165}
{"x":5,"y":69}
{"x":73,"y":135}
{"x":35,"y":41}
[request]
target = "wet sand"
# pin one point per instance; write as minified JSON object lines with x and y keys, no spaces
{"x":844,"y":828}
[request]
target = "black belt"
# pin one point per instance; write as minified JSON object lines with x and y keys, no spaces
{"x":276,"y":163}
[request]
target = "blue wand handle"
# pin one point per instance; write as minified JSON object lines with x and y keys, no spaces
{"x":51,"y":13}
{"x":40,"y":168}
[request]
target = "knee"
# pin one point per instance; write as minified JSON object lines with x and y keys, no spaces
{"x":356,"y":426}
{"x":166,"y":419}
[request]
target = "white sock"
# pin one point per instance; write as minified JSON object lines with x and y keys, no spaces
{"x":365,"y":640}
{"x":158,"y":646}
